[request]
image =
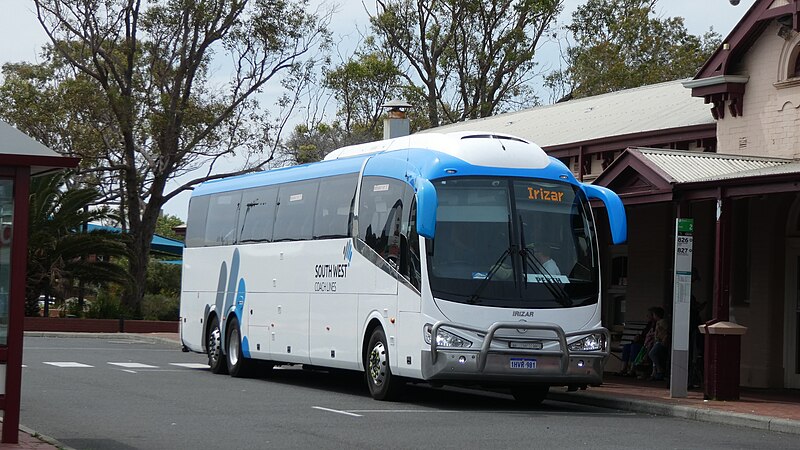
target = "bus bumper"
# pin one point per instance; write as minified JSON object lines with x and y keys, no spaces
{"x":494,"y":361}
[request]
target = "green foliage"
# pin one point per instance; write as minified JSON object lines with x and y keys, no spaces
{"x":107,"y":305}
{"x":621,"y":44}
{"x":163,"y":279}
{"x":60,"y":253}
{"x":165,"y":225}
{"x":160,"y":307}
{"x":361,"y":85}
{"x":468,"y":58}
{"x":127,"y":86}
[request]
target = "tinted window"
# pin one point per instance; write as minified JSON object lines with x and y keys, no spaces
{"x":294,"y":219}
{"x":381,"y":219}
{"x":257,"y":215}
{"x":334,"y":206}
{"x":196,"y":223}
{"x":221,"y":223}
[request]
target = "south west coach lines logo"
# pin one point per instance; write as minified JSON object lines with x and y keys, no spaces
{"x":327,"y":271}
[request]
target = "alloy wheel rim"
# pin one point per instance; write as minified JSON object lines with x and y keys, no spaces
{"x":233,"y":347}
{"x":377,"y":364}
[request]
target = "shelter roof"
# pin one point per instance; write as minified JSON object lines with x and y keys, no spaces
{"x":18,"y":149}
{"x":644,"y":175}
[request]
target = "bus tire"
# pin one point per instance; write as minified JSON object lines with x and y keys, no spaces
{"x":238,"y":365}
{"x":380,"y":381}
{"x":531,"y":395}
{"x":216,"y":359}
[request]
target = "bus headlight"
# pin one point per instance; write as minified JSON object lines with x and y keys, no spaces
{"x":445,"y":338}
{"x":589,"y":343}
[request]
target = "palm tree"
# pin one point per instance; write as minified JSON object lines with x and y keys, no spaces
{"x":60,"y":251}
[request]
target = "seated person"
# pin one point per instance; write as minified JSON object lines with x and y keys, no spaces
{"x":631,"y":350}
{"x":542,"y":254}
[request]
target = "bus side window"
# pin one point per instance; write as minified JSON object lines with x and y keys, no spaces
{"x":221,"y":223}
{"x":257,"y":215}
{"x":334,"y":206}
{"x":294,"y":219}
{"x":411,"y":266}
{"x":196,"y":222}
{"x":381,"y":216}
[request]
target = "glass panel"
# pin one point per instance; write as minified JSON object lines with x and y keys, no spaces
{"x":513,"y":243}
{"x":334,"y":205}
{"x":196,"y":223}
{"x":381,"y":218}
{"x":221,"y":224}
{"x":6,"y":234}
{"x":295,"y":217}
{"x":257,"y":215}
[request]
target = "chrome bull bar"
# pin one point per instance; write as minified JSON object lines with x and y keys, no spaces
{"x":559,"y":336}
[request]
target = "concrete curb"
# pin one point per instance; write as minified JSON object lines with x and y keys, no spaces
{"x":44,"y":438}
{"x":683,"y":412}
{"x":132,"y":336}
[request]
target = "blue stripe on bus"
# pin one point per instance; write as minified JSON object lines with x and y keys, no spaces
{"x":429,"y":164}
{"x":282,"y":175}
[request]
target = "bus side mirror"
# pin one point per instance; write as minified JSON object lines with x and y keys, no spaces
{"x":616,"y":211}
{"x":426,"y":208}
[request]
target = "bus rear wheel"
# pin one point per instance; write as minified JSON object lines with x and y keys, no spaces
{"x":380,"y":381}
{"x":238,"y":365}
{"x":214,"y":348}
{"x":531,"y":395}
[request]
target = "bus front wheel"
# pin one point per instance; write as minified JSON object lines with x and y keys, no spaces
{"x":214,"y":348}
{"x":238,"y":365}
{"x":382,"y":384}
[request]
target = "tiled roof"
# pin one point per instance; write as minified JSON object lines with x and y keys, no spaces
{"x":648,"y":108}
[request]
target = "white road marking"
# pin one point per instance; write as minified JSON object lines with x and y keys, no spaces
{"x":133,"y":365}
{"x":66,"y":364}
{"x":190,"y":365}
{"x":337,"y":411}
{"x":129,"y":371}
{"x":405,"y":411}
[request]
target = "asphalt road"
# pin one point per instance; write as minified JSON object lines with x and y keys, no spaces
{"x":126,"y":394}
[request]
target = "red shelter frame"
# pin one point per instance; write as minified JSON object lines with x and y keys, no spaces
{"x":20,"y":158}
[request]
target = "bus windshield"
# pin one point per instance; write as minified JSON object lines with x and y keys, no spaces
{"x":512,"y":242}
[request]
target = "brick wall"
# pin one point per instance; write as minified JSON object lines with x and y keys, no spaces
{"x":771,"y":117}
{"x":54,"y":324}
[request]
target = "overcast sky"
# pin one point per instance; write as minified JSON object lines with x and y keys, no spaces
{"x":21,"y":37}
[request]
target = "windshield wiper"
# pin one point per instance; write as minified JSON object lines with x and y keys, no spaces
{"x":485,"y":282}
{"x":549,"y":280}
{"x":555,"y":288}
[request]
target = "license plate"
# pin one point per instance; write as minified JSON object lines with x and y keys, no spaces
{"x":523,"y":363}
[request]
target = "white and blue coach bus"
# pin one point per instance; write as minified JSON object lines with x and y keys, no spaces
{"x":446,"y":258}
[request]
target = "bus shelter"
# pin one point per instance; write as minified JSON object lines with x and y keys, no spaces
{"x":20,"y":159}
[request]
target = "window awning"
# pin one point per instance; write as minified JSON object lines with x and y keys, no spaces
{"x":646,"y":175}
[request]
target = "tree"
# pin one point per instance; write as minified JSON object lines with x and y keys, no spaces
{"x":166,"y":224}
{"x":59,"y":251}
{"x":469,"y":58}
{"x":620,"y":44}
{"x":361,"y":85}
{"x":159,"y":113}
